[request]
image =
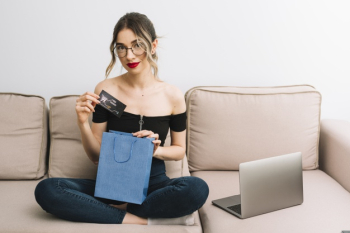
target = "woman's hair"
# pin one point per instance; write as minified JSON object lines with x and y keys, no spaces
{"x":145,"y":33}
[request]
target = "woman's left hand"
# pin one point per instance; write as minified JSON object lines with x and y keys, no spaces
{"x":149,"y":134}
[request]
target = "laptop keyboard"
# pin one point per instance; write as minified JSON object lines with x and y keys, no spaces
{"x":236,"y":208}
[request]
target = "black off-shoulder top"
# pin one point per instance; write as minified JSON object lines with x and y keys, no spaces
{"x":129,"y":122}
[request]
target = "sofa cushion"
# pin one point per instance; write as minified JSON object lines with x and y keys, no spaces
{"x":230,"y":125}
{"x":23,"y":136}
{"x":325,"y":208}
{"x":67,"y":155}
{"x":20,"y":213}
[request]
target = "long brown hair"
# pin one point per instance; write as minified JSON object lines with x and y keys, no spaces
{"x":145,"y":33}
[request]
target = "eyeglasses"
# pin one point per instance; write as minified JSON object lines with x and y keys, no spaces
{"x":121,"y":50}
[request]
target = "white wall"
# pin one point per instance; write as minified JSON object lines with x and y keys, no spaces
{"x":53,"y":48}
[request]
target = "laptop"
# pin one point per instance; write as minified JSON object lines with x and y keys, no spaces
{"x":266,"y":185}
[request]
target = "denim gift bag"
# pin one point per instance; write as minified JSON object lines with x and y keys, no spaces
{"x":124,"y":167}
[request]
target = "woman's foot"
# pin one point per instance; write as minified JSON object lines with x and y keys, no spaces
{"x":121,"y":207}
{"x":133,"y":219}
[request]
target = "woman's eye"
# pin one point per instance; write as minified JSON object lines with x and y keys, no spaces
{"x":120,"y":47}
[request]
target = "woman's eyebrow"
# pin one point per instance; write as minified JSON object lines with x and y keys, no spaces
{"x":132,"y":42}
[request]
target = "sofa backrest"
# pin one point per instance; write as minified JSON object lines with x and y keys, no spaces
{"x":67,"y":157}
{"x":225,"y":126}
{"x":23,"y":136}
{"x":230,"y":125}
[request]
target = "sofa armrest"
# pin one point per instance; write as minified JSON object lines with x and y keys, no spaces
{"x":335,"y":150}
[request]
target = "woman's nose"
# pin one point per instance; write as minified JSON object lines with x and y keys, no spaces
{"x":129,"y":54}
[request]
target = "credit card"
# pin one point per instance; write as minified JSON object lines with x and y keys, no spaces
{"x":111,"y":104}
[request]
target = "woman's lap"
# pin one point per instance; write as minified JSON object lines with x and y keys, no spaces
{"x":72,"y":199}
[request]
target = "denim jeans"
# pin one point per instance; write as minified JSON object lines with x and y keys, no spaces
{"x":73,"y":200}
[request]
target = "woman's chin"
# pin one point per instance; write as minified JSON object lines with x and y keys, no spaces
{"x":133,"y":71}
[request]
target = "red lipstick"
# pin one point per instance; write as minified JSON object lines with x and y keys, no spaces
{"x":133,"y":64}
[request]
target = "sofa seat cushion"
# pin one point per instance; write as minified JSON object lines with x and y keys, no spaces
{"x":20,"y":213}
{"x":325,"y":208}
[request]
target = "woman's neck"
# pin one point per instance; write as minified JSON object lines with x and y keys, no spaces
{"x":140,"y":81}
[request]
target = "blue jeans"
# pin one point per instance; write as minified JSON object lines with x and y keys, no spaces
{"x":73,"y":200}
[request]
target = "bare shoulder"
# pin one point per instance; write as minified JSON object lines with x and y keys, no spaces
{"x":176,"y":98}
{"x":99,"y":86}
{"x":107,"y":85}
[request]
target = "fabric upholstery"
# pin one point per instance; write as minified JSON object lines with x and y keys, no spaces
{"x":335,"y":150}
{"x":67,"y":156}
{"x":230,"y":125}
{"x":325,"y":208}
{"x":23,"y":136}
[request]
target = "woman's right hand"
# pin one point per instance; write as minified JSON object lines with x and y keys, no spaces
{"x":85,"y":105}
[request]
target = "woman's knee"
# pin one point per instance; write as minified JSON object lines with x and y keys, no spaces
{"x":198,"y":191}
{"x":45,"y":192}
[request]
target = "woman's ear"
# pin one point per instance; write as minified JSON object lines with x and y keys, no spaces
{"x":154,"y":46}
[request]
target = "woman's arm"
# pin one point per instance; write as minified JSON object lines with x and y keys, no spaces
{"x":177,"y":149}
{"x":91,"y":137}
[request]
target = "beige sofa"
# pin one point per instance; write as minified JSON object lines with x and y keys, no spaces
{"x":225,"y":126}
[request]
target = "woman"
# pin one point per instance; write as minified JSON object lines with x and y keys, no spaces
{"x":152,"y":107}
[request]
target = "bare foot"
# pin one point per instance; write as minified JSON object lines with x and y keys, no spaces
{"x":130,"y":218}
{"x":121,"y":207}
{"x":133,"y":219}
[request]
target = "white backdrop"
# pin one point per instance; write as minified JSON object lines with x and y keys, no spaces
{"x":53,"y":48}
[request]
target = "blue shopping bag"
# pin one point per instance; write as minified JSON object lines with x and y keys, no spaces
{"x":124,"y":167}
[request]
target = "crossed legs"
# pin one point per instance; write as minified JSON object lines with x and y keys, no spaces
{"x":73,"y":199}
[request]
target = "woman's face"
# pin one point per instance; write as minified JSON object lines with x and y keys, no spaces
{"x":133,"y":63}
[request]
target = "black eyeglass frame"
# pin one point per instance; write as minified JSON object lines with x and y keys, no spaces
{"x":126,"y":48}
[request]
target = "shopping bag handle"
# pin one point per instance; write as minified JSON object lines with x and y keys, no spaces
{"x":115,"y":154}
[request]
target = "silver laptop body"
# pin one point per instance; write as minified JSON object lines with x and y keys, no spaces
{"x":266,"y":185}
